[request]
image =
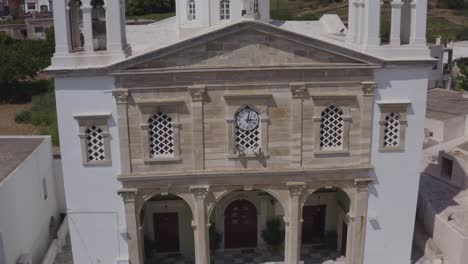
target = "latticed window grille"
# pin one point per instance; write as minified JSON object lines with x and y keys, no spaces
{"x":161,"y":136}
{"x":332,"y":129}
{"x":95,"y":144}
{"x":225,"y":9}
{"x":191,"y":10}
{"x":392,"y":130}
{"x":255,"y":7}
{"x":247,"y":141}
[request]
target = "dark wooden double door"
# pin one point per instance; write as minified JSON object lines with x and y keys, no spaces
{"x":240,"y":225}
{"x":313,"y":226}
{"x":166,"y":232}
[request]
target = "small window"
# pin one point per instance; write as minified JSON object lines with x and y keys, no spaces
{"x":332,"y":129}
{"x":31,"y":6}
{"x":447,"y":167}
{"x":161,"y":136}
{"x":44,"y":189}
{"x":38,"y":29}
{"x":191,"y":10}
{"x":392,"y":131}
{"x":94,"y":138}
{"x":247,"y":139}
{"x":95,"y":144}
{"x":225,"y":10}
{"x":255,"y":7}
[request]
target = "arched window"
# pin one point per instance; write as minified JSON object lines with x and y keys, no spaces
{"x":95,"y":143}
{"x":331,"y":129}
{"x":76,"y":25}
{"x":392,"y":130}
{"x":247,"y":130}
{"x":191,"y":12}
{"x":224,"y":10}
{"x":99,"y":25}
{"x":161,"y":136}
{"x":255,"y":7}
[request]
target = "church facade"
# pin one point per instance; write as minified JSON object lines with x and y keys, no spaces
{"x":194,"y":135}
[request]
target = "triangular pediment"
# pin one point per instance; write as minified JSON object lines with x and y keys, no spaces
{"x":248,"y":45}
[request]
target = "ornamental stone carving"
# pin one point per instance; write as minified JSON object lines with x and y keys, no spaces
{"x":197,"y":92}
{"x":128,"y":195}
{"x":362,"y":185}
{"x":296,"y":188}
{"x":199,"y":192}
{"x":368,"y":88}
{"x":120,"y":95}
{"x":298,"y":90}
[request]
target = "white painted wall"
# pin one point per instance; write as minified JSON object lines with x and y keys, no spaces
{"x":25,"y":215}
{"x":392,"y":197}
{"x":437,"y":127}
{"x":95,"y":211}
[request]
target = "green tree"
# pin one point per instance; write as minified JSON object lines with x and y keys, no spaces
{"x":462,"y":78}
{"x":455,"y":4}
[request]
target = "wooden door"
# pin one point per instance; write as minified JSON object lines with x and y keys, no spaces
{"x":240,"y":225}
{"x":166,"y":232}
{"x":313,"y":227}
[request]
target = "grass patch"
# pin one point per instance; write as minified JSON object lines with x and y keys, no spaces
{"x":22,"y":92}
{"x":43,"y":114}
{"x":153,"y":16}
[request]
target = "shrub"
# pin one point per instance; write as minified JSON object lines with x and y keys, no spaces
{"x":455,"y":4}
{"x":273,"y":234}
{"x":23,"y":117}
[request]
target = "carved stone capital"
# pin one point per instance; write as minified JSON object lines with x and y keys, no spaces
{"x":368,"y":88}
{"x":128,"y":195}
{"x":298,"y":90}
{"x":199,"y":192}
{"x":296,"y":188}
{"x":197,"y":92}
{"x":362,"y":185}
{"x":120,"y":95}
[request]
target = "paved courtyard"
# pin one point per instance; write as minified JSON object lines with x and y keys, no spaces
{"x":251,"y":256}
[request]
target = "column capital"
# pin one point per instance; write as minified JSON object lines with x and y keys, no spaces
{"x":396,"y":3}
{"x":199,"y":191}
{"x":368,"y":88}
{"x":120,"y":95}
{"x":296,"y":188}
{"x":197,"y":92}
{"x":128,"y":194}
{"x":298,"y":89}
{"x":362,"y":185}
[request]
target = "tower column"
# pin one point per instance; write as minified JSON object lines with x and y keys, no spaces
{"x":396,"y":23}
{"x":371,"y":23}
{"x":115,"y":23}
{"x":61,"y":26}
{"x":359,"y":19}
{"x":418,"y":22}
{"x":86,"y":10}
{"x":201,"y":225}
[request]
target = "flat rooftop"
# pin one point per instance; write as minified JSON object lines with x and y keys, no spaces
{"x":13,"y":151}
{"x":443,"y":104}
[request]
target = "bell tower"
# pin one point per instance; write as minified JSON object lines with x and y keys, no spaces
{"x":89,"y":33}
{"x":407,"y":26}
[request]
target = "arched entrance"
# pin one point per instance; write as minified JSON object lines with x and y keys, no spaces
{"x":240,"y":224}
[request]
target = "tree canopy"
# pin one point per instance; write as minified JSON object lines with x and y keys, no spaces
{"x":142,"y":7}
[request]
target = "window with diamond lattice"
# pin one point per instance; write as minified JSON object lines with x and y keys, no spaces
{"x":95,"y":144}
{"x":331,"y":129}
{"x":392,"y":131}
{"x":247,"y":141}
{"x":161,"y":136}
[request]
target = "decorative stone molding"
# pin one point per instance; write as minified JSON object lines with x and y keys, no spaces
{"x":120,"y":95}
{"x":296,"y":188}
{"x":128,"y":194}
{"x":393,"y":123}
{"x":197,"y":92}
{"x":199,"y":192}
{"x":298,"y":90}
{"x":362,"y":185}
{"x":94,"y":138}
{"x":368,"y":88}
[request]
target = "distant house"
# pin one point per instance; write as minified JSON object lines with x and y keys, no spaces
{"x":31,"y":198}
{"x":37,"y":6}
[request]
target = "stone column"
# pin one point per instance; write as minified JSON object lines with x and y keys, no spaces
{"x":359,"y":28}
{"x":86,"y":10}
{"x":351,"y":22}
{"x":298,"y":91}
{"x":197,"y":92}
{"x":371,"y":23}
{"x":418,"y":22}
{"x":61,"y":27}
{"x":359,"y":220}
{"x":201,"y":225}
{"x":396,"y":23}
{"x":294,"y":223}
{"x":133,"y":232}
{"x":121,"y":96}
{"x":366,"y":114}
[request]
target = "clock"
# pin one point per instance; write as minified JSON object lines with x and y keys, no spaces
{"x":247,"y":119}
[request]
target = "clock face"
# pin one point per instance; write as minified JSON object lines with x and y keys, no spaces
{"x":247,"y":119}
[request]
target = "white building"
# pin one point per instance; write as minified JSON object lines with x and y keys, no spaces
{"x":38,"y":5}
{"x":30,"y":195}
{"x":222,"y":119}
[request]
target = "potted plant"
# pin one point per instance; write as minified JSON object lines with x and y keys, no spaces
{"x":273,"y":234}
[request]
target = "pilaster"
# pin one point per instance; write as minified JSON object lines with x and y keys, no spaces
{"x":298,"y":91}
{"x":360,"y":217}
{"x":366,"y":114}
{"x":294,"y":222}
{"x":121,"y":96}
{"x":201,"y":224}
{"x":135,"y":254}
{"x":197,"y":93}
